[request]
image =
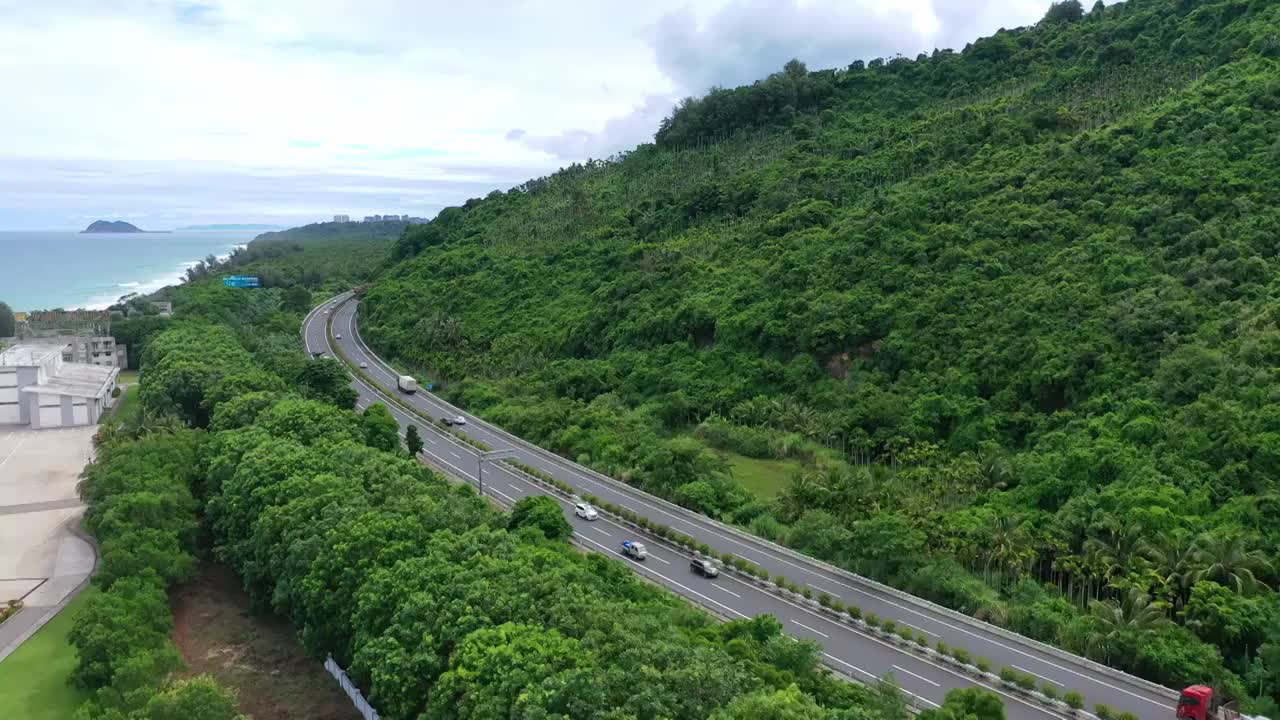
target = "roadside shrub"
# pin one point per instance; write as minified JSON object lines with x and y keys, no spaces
{"x":942,"y":648}
{"x":872,"y":620}
{"x":1073,"y":699}
{"x":807,"y":593}
{"x":922,"y":640}
{"x":961,"y":655}
{"x":983,"y":664}
{"x":854,"y":612}
{"x":1049,"y":690}
{"x":762,"y":573}
{"x":838,"y":606}
{"x":1009,"y":676}
{"x":824,"y":600}
{"x":1103,"y":711}
{"x":905,"y":633}
{"x":1126,"y":716}
{"x":726,"y":558}
{"x":1026,"y":682}
{"x":889,"y":626}
{"x":705,"y":549}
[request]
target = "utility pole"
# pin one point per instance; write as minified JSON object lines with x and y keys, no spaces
{"x":483,"y":455}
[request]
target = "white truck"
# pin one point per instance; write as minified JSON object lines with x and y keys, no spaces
{"x":407,"y":384}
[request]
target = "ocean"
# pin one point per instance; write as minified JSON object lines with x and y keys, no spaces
{"x":47,"y":270}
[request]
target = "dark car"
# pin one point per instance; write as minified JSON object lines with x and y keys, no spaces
{"x":704,"y":567}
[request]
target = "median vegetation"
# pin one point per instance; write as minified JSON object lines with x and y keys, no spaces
{"x":1009,"y":306}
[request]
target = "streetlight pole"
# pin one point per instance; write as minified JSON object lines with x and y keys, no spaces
{"x":482,"y":455}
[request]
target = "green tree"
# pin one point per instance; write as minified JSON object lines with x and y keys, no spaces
{"x":324,"y":379}
{"x":789,"y":703}
{"x":971,"y":703}
{"x":543,"y":513}
{"x":8,"y":328}
{"x":413,"y":441}
{"x":380,"y":428}
{"x":296,"y":298}
{"x":1228,"y":560}
{"x":197,"y":698}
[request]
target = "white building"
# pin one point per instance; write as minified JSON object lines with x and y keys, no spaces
{"x":342,"y":218}
{"x":90,"y":349}
{"x":39,"y":389}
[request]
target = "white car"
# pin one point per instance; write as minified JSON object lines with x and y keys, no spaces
{"x":585,"y":511}
{"x":363,"y":364}
{"x":339,"y":336}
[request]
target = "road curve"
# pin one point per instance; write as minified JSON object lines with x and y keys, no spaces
{"x":846,"y":649}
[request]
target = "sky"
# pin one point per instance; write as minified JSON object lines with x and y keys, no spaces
{"x":176,"y":112}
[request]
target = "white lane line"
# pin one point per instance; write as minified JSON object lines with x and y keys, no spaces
{"x":655,"y":557}
{"x":921,"y":677}
{"x":513,"y":486}
{"x":602,"y":532}
{"x":817,"y":632}
{"x":1015,"y":667}
{"x":686,"y":588}
{"x":499,"y":492}
{"x":873,"y":677}
{"x":431,"y":439}
{"x":722,"y":588}
{"x":822,"y":589}
{"x":456,"y":455}
{"x":895,"y":648}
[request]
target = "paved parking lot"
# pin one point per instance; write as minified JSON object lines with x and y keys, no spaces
{"x":42,"y":560}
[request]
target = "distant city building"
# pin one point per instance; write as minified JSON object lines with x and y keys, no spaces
{"x":40,"y":389}
{"x":342,"y":218}
{"x":165,"y":309}
{"x":97,"y":350}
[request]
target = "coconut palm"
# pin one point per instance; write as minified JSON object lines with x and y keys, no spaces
{"x":1227,"y":560}
{"x":1112,"y":620}
{"x":1172,"y":557}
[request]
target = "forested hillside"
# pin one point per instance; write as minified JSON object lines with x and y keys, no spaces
{"x":1011,"y":310}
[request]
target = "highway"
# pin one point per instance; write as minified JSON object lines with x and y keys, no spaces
{"x":846,"y":649}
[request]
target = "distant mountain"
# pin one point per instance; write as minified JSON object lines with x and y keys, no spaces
{"x":233,"y":226}
{"x":112,"y":226}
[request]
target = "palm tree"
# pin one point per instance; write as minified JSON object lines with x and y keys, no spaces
{"x":1227,"y":560}
{"x":1122,"y":553}
{"x":1173,"y":558}
{"x":1008,"y":547}
{"x":1112,"y":620}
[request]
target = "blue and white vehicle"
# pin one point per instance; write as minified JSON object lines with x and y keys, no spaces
{"x":634,"y":550}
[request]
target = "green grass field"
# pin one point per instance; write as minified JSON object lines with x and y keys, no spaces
{"x":127,"y":406}
{"x":33,"y":680}
{"x":765,"y":478}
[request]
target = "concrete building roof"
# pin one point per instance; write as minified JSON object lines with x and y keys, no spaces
{"x":29,"y":355}
{"x":76,"y":380}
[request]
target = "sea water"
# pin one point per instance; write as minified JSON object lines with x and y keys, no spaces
{"x":47,"y":270}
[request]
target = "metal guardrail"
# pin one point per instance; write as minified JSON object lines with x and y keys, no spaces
{"x":749,"y":539}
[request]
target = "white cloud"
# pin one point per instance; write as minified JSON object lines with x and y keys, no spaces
{"x":125,"y":100}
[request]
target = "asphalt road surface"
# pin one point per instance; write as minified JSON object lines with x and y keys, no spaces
{"x":846,"y":649}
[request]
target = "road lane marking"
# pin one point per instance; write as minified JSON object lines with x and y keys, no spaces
{"x":819,"y":587}
{"x":455,"y":454}
{"x":722,"y":588}
{"x":1015,"y":667}
{"x":899,"y":667}
{"x":686,"y":588}
{"x":655,"y":557}
{"x":874,"y":677}
{"x":816,"y":632}
{"x":602,"y":532}
{"x":513,"y":487}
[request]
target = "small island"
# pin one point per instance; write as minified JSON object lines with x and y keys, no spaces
{"x":111,"y":226}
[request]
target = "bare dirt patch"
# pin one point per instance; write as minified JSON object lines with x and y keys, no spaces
{"x":256,"y":655}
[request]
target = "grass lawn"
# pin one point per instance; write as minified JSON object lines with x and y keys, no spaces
{"x":33,"y":680}
{"x":127,"y":406}
{"x":765,"y":478}
{"x":127,"y":376}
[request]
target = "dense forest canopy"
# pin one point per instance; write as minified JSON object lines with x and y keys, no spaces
{"x":1010,"y":308}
